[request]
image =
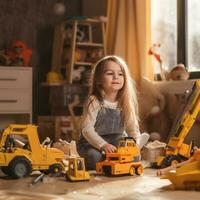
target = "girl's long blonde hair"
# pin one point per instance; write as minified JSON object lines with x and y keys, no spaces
{"x":127,"y":96}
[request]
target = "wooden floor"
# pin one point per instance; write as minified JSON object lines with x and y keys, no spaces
{"x":145,"y":187}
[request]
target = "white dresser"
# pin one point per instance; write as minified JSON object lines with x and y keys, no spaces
{"x":15,"y":95}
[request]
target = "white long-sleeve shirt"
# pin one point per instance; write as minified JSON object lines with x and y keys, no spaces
{"x":88,"y":124}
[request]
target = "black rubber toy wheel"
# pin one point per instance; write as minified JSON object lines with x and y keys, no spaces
{"x":139,"y":170}
{"x":107,"y":170}
{"x":169,"y":160}
{"x":6,"y":170}
{"x":20,"y":167}
{"x":56,"y":169}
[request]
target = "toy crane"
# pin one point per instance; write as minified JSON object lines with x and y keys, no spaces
{"x":122,"y":161}
{"x":176,"y":149}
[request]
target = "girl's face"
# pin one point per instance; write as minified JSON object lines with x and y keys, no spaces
{"x":113,"y":77}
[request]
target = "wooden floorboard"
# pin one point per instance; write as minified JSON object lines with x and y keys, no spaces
{"x":145,"y":187}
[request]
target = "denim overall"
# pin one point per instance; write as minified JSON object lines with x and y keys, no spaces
{"x":110,"y":127}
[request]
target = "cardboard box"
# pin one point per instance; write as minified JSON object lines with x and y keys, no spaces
{"x":151,"y":154}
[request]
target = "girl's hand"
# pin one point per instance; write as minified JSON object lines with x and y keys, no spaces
{"x":108,"y":148}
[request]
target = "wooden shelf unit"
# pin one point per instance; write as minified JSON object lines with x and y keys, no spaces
{"x":76,"y":44}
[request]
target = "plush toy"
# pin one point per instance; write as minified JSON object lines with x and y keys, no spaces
{"x":152,"y":111}
{"x":77,"y":73}
{"x":19,"y":54}
{"x":158,"y":110}
{"x":178,"y":73}
{"x":152,"y":102}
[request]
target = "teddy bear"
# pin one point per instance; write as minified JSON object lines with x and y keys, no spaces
{"x":152,"y":111}
{"x":178,"y":73}
{"x":158,"y":110}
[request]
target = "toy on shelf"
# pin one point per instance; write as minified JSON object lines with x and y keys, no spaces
{"x":184,"y":175}
{"x":77,"y":74}
{"x":94,"y":55}
{"x":81,"y":35}
{"x":122,"y":161}
{"x":19,"y":54}
{"x":21,"y":153}
{"x":76,"y":170}
{"x":176,"y":150}
{"x":54,"y":77}
{"x":80,"y":55}
{"x":76,"y":44}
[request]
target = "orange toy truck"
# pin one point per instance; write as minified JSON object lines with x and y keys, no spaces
{"x":122,"y":161}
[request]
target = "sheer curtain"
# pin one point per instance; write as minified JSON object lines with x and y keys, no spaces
{"x":129,"y":35}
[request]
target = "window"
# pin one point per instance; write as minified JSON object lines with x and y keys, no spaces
{"x":175,"y":25}
{"x":164,"y":31}
{"x":193,"y":42}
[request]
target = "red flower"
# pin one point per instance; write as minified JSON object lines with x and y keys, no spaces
{"x":152,"y":52}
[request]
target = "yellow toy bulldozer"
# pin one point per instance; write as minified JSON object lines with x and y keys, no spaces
{"x":176,"y":149}
{"x":188,"y":175}
{"x":21,"y":152}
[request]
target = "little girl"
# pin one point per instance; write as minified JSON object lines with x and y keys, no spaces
{"x":110,"y":112}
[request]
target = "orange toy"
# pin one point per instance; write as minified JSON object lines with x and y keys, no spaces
{"x":19,"y":54}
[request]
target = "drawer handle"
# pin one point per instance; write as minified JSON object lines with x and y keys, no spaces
{"x":8,"y":79}
{"x":8,"y":101}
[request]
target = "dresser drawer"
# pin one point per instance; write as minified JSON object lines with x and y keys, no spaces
{"x":15,"y":100}
{"x":15,"y":77}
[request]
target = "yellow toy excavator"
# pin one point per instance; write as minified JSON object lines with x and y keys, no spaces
{"x":176,"y":149}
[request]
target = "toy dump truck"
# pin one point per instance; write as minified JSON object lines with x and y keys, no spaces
{"x":176,"y":149}
{"x":187,"y":176}
{"x":122,"y":161}
{"x":21,"y":152}
{"x":76,"y":170}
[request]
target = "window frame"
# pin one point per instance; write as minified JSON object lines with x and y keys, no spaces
{"x":182,"y":33}
{"x":182,"y":36}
